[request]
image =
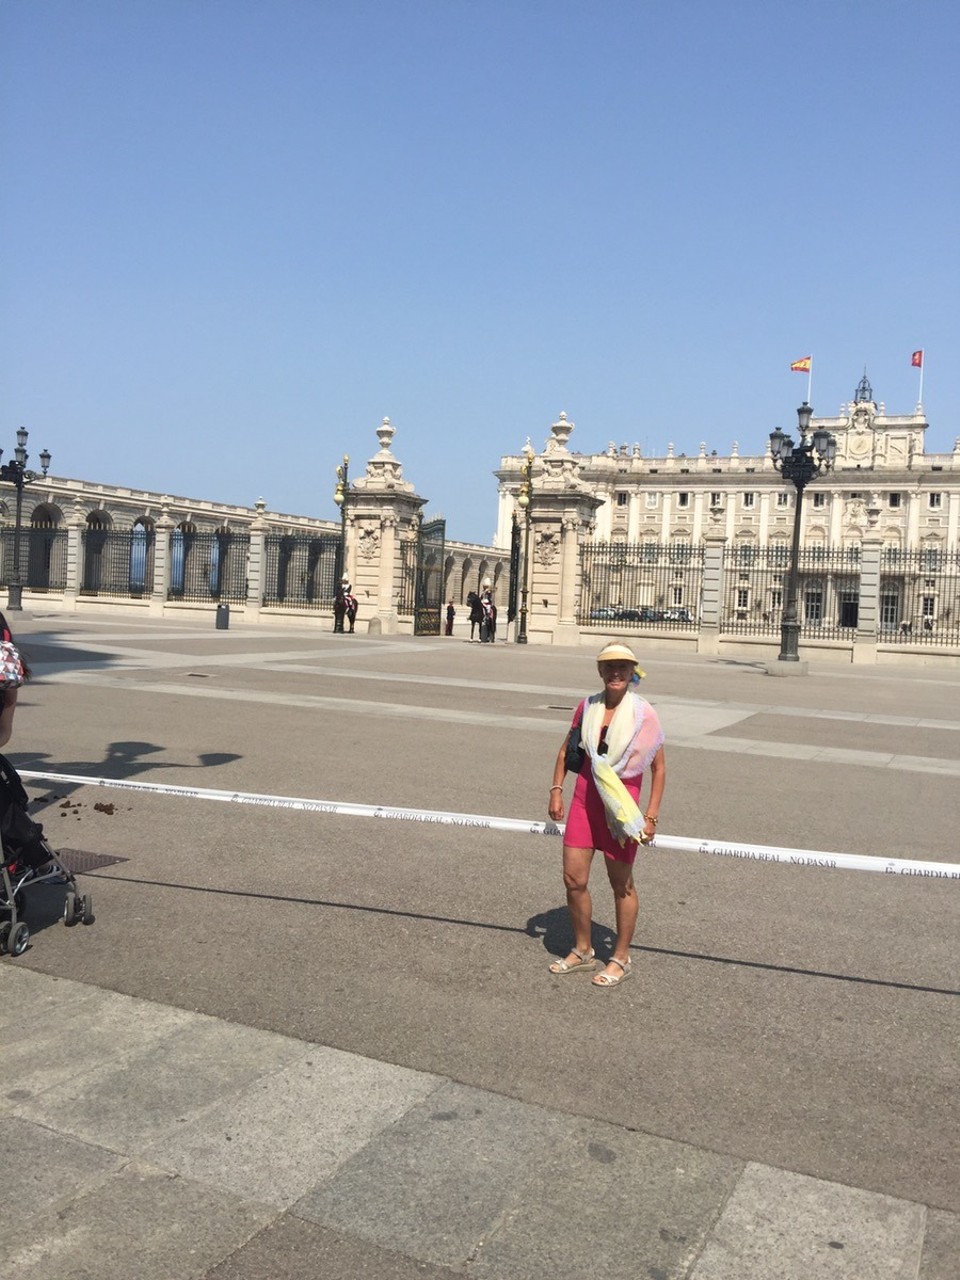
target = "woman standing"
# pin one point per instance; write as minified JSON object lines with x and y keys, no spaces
{"x":8,"y":691}
{"x":622,"y":739}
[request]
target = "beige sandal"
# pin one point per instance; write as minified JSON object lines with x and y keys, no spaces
{"x":613,"y":979}
{"x":584,"y":960}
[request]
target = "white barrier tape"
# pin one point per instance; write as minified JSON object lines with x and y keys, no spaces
{"x":680,"y":844}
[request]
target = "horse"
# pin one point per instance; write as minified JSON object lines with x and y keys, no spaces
{"x":483,"y":614}
{"x":344,"y":606}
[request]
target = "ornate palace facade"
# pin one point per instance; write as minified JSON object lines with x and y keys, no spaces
{"x":882,"y":481}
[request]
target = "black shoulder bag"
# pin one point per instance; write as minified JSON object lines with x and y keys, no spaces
{"x":573,"y":757}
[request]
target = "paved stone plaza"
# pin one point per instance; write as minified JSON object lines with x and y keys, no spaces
{"x":300,"y":1044}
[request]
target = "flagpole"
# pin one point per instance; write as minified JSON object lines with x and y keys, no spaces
{"x":923,"y":356}
{"x":810,"y":381}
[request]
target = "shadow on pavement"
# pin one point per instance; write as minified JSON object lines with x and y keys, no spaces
{"x":121,"y":760}
{"x":551,"y":925}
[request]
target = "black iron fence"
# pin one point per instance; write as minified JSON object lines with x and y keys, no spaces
{"x":300,"y":570}
{"x":117,"y":562}
{"x":920,"y":596}
{"x":208,"y":566}
{"x":43,"y":558}
{"x":755,"y":591}
{"x":630,"y":584}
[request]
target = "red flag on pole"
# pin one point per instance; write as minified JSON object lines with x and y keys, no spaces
{"x":801,"y":366}
{"x":916,"y":359}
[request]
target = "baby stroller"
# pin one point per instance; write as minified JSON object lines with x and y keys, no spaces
{"x":26,"y":859}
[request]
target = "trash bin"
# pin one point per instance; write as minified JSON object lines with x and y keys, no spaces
{"x":223,"y":617}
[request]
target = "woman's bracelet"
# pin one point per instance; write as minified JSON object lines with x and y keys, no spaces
{"x":649,"y":818}
{"x":556,"y":788}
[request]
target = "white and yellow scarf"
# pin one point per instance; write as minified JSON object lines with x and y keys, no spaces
{"x":634,"y":737}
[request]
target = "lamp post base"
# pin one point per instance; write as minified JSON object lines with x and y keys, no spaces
{"x":15,"y":597}
{"x":781,"y":668}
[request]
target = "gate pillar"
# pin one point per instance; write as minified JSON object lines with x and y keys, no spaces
{"x":561,"y":511}
{"x":383,"y":513}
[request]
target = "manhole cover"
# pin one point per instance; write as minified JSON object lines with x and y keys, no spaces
{"x":78,"y":860}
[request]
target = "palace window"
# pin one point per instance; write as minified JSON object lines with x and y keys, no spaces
{"x":622,"y":499}
{"x":894,"y":499}
{"x":819,"y":499}
{"x":748,"y":499}
{"x":936,"y":501}
{"x":813,"y":602}
{"x":783,"y":499}
{"x":683,"y":499}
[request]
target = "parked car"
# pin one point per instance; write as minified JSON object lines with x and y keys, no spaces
{"x":604,"y":614}
{"x":640,"y":615}
{"x":677,"y":615}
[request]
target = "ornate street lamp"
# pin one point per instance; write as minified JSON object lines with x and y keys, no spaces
{"x":16,"y":473}
{"x":340,"y":495}
{"x":799,"y":463}
{"x":523,"y":502}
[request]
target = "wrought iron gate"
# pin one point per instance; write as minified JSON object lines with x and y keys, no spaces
{"x":421,"y":587}
{"x":429,"y":589}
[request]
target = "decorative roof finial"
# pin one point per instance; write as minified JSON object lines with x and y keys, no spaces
{"x":864,"y":391}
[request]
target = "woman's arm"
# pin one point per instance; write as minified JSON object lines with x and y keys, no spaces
{"x":6,"y":715}
{"x":555,"y":807}
{"x":658,"y":778}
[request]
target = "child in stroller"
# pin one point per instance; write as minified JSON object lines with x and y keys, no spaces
{"x":26,"y":859}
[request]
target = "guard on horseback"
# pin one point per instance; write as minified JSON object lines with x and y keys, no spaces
{"x":344,"y":605}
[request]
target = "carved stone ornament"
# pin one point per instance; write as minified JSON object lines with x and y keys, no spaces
{"x":369,"y":544}
{"x":548,"y":546}
{"x":856,"y":512}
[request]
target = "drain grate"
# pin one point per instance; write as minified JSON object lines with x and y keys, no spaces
{"x":78,"y":860}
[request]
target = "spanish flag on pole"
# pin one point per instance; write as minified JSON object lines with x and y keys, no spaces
{"x":802,"y":366}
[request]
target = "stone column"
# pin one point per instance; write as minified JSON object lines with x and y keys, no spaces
{"x":711,"y":591}
{"x":256,"y":562}
{"x":74,"y":567}
{"x":161,"y":563}
{"x":868,"y":607}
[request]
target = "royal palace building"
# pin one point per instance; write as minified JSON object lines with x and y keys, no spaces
{"x":644,"y":524}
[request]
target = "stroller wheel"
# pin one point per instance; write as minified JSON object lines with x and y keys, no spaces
{"x":18,"y":939}
{"x":70,"y":908}
{"x":86,"y":909}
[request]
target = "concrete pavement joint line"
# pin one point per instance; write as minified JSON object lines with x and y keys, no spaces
{"x":681,"y":844}
{"x":695,"y":741}
{"x":152,"y":659}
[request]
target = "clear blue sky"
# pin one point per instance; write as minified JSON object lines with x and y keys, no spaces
{"x":237,"y":233}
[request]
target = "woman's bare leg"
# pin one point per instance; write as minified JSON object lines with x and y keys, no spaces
{"x":627,"y":907}
{"x":576,"y":876}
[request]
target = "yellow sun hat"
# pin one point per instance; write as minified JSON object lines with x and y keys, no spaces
{"x":617,"y":651}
